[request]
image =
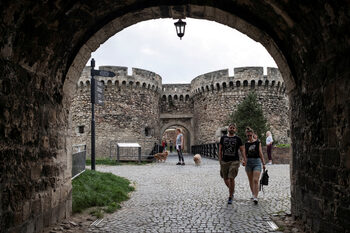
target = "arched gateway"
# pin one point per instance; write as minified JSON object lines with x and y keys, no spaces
{"x":44,"y":47}
{"x":188,"y":134}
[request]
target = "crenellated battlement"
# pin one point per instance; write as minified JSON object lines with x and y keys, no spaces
{"x":140,"y":78}
{"x":181,"y":92}
{"x":244,"y":77}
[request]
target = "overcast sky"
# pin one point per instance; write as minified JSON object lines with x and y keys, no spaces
{"x":207,"y":46}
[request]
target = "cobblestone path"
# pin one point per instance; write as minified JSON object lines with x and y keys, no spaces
{"x":171,"y":198}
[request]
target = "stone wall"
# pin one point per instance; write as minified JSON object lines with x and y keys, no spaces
{"x":320,"y":174}
{"x":215,"y":96}
{"x":35,"y":187}
{"x":130,"y":112}
{"x":176,"y":99}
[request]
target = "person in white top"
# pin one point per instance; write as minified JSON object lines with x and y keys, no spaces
{"x":180,"y":146}
{"x":269,"y":142}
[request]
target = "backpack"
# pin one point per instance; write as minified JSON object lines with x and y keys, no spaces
{"x":264,"y":180}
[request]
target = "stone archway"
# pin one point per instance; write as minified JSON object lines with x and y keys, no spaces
{"x":44,"y":47}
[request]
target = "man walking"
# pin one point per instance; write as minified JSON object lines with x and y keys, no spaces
{"x":229,"y":158}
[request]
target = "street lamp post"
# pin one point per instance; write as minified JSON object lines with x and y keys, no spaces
{"x":97,"y":97}
{"x":180,"y":28}
{"x":92,"y":115}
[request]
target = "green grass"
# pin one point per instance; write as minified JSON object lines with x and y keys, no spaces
{"x":282,"y":145}
{"x":103,"y":161}
{"x":97,"y":189}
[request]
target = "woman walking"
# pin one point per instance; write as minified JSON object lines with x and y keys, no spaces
{"x":255,"y":159}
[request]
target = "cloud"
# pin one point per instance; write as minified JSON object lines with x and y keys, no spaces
{"x":207,"y":46}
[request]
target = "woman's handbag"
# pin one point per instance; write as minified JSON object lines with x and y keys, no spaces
{"x":264,"y":180}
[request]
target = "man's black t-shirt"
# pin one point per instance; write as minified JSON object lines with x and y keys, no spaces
{"x":230,"y":146}
{"x":252,"y":149}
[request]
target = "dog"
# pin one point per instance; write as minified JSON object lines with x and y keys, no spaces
{"x":161,"y":157}
{"x":197,"y":159}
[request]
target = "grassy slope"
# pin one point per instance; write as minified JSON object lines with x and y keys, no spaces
{"x":94,"y":188}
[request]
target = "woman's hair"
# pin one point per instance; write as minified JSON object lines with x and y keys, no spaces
{"x":268,"y":133}
{"x":178,"y":129}
{"x":249,"y":130}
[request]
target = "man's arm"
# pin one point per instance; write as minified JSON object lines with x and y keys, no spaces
{"x":220,"y":153}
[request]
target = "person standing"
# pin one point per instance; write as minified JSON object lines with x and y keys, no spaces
{"x":255,"y":158}
{"x":269,"y":142}
{"x":163,"y":145}
{"x":229,"y":159}
{"x":171,"y":146}
{"x":180,"y":146}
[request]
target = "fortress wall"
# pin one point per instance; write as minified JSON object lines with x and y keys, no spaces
{"x":135,"y":102}
{"x":151,"y":77}
{"x":274,"y":74}
{"x":211,"y":111}
{"x":212,"y":105}
{"x":210,"y":81}
{"x":247,"y":73}
{"x":176,"y":99}
{"x":129,"y":109}
{"x":139,"y":78}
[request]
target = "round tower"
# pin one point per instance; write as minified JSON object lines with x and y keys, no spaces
{"x":216,"y":95}
{"x":130,"y":112}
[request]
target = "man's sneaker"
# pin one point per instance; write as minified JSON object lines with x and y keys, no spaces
{"x":229,"y":201}
{"x":182,"y":163}
{"x":255,"y":200}
{"x":178,"y":163}
{"x":252,"y":197}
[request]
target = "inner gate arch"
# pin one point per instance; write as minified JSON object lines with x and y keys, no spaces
{"x":186,"y":126}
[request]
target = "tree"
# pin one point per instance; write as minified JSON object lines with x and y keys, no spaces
{"x":249,"y":114}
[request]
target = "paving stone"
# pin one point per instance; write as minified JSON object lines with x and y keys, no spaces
{"x":170,"y":198}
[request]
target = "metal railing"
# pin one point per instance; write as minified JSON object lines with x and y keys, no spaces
{"x":210,"y":150}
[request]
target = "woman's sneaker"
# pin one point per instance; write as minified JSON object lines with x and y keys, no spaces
{"x":255,"y":200}
{"x":229,"y":201}
{"x":178,"y":163}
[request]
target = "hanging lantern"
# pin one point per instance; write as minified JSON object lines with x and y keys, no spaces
{"x":180,"y":28}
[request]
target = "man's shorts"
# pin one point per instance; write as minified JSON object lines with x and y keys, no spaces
{"x":229,"y":170}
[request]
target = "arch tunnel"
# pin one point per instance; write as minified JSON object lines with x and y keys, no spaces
{"x":45,"y":46}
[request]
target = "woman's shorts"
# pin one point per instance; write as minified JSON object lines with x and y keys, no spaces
{"x":229,"y":170}
{"x":253,"y":164}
